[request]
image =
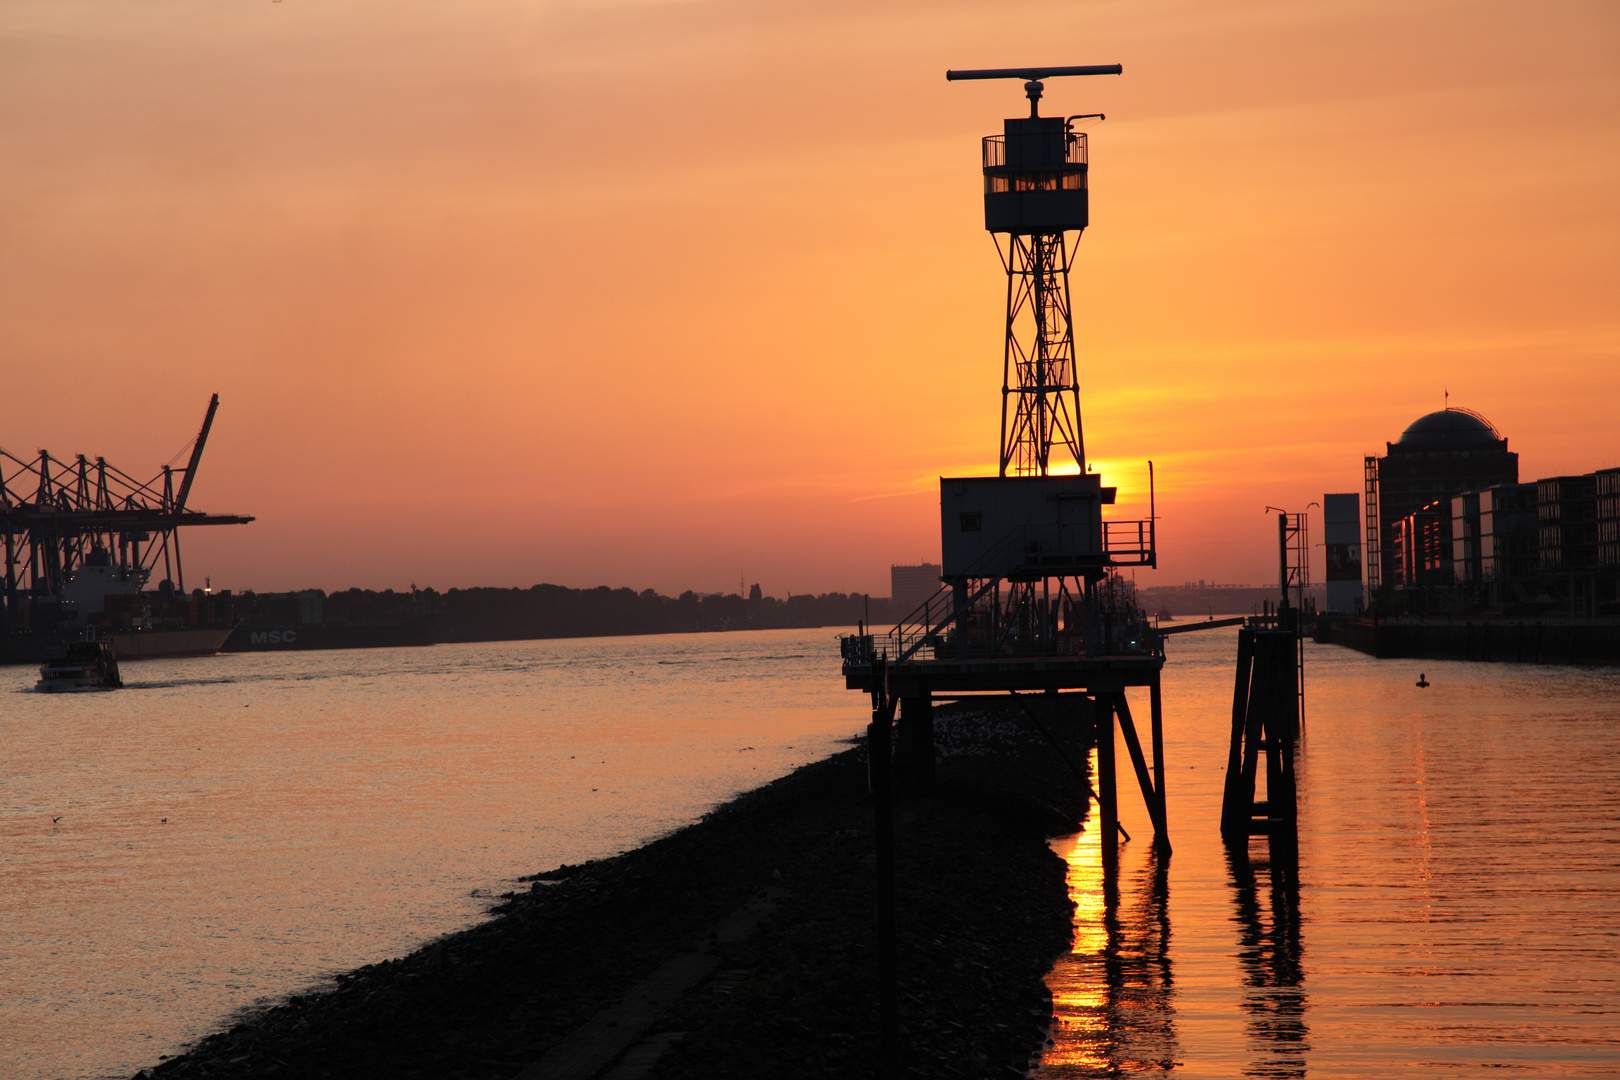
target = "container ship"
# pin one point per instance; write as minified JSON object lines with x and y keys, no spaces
{"x":83,"y":540}
{"x":310,"y":619}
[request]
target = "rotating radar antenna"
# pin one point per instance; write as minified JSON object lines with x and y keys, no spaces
{"x":1035,"y":194}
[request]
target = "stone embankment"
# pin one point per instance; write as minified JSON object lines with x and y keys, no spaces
{"x":740,"y":946}
{"x":1495,"y":640}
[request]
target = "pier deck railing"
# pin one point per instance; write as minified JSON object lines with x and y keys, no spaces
{"x":1027,"y":552}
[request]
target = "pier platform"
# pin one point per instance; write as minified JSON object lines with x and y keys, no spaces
{"x":1095,"y":674}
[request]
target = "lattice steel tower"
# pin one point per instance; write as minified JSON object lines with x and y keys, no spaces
{"x":1035,"y":193}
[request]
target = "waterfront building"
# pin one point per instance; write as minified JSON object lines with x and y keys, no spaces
{"x":1467,"y":559}
{"x":1438,"y":456}
{"x":1448,"y":527}
{"x":1508,"y":540}
{"x":1566,"y":516}
{"x":1608,"y":518}
{"x":1548,"y":546}
{"x":1341,"y":536}
{"x":1421,"y":548}
{"x":911,"y":586}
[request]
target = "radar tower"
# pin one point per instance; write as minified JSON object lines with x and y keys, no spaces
{"x":1035,"y":193}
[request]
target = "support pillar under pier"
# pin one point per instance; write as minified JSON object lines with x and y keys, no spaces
{"x":881,"y":778}
{"x":914,"y":747}
{"x":1156,"y":706}
{"x":1150,"y":794}
{"x":1107,"y":797}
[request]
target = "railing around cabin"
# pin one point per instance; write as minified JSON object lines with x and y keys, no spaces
{"x":1130,"y":543}
{"x":1027,"y":551}
{"x":1037,"y":150}
{"x":923,"y":627}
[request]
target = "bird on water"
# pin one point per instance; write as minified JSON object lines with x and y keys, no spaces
{"x":1423,"y":679}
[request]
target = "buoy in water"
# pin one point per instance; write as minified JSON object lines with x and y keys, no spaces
{"x":1423,"y":679}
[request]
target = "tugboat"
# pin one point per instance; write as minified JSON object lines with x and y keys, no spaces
{"x":88,"y":665}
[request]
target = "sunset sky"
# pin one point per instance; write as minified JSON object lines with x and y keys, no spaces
{"x":659,"y":293}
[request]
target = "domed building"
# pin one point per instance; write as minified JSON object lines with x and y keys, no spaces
{"x":1439,"y":455}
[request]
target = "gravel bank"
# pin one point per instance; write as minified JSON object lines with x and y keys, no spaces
{"x":982,"y":911}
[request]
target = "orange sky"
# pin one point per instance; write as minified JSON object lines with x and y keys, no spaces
{"x":654,"y":293}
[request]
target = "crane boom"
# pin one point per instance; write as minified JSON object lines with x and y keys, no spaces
{"x":196,"y":456}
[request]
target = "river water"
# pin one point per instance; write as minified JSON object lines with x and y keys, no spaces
{"x":232,"y":827}
{"x":229,"y":829}
{"x":1455,"y":910}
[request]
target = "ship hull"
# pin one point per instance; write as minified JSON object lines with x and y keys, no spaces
{"x":153,"y":644}
{"x":329,"y":636}
{"x":40,"y":646}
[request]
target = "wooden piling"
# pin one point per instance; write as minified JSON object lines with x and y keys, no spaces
{"x":1265,"y":720}
{"x":1150,"y":794}
{"x":1156,"y":714}
{"x":914,"y":748}
{"x":1107,"y":796}
{"x":1232,"y":810}
{"x":1262,"y":699}
{"x":1281,"y":733}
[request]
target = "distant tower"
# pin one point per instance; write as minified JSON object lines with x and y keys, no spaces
{"x":1341,"y":529}
{"x":911,"y":585}
{"x":1035,"y":193}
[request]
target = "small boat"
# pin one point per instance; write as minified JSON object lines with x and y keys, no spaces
{"x":88,"y":665}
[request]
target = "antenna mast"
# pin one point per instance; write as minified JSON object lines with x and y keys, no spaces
{"x":1035,"y":192}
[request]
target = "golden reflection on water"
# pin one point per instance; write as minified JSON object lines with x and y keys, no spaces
{"x":1423,"y":884}
{"x":1265,"y":892}
{"x":1113,"y":994}
{"x":1456,"y":876}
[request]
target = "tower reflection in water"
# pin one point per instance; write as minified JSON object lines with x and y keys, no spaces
{"x":1112,"y":993}
{"x":1271,"y":954}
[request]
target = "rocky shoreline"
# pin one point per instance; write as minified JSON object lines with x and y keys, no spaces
{"x":982,"y":911}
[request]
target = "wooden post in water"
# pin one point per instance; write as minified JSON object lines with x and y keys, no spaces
{"x":1107,"y":797}
{"x":1265,"y":719}
{"x":1280,"y":734}
{"x":1156,"y":712}
{"x":1234,"y":814}
{"x":1262,"y":697}
{"x":914,"y":747}
{"x":1150,"y":794}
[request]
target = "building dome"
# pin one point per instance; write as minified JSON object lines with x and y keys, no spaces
{"x":1449,"y":428}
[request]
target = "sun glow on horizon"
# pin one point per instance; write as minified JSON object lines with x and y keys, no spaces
{"x":461,"y":338}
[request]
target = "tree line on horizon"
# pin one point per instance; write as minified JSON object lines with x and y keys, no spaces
{"x":551,"y":611}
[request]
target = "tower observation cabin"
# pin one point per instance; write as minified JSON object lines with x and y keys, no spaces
{"x":1035,"y":173}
